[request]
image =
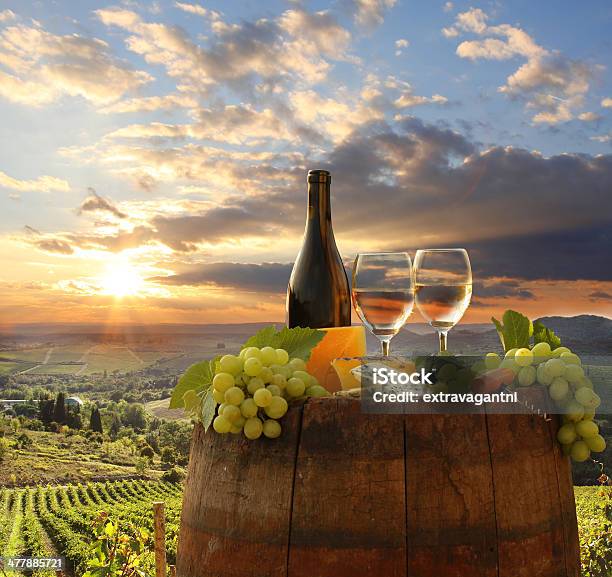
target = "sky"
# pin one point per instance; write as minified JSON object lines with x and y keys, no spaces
{"x":153,"y":155}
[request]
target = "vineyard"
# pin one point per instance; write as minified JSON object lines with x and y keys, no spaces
{"x":47,"y":521}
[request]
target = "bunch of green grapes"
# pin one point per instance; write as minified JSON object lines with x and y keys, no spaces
{"x":572,"y":391}
{"x":252,"y":390}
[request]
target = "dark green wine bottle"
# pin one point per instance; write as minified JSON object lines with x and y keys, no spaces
{"x":318,"y":294}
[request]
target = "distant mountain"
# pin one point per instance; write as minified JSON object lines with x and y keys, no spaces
{"x":584,"y":334}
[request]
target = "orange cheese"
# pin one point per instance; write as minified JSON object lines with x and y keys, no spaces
{"x":338,"y":342}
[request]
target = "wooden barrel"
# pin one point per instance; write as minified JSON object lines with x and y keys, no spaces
{"x":343,"y":493}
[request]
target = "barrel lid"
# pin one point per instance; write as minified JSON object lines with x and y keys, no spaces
{"x":319,"y":176}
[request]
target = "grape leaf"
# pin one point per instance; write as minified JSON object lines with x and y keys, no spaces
{"x":196,"y":378}
{"x":208,"y":408}
{"x":298,"y":341}
{"x":515,"y":331}
{"x":266,"y":337}
{"x":543,"y":335}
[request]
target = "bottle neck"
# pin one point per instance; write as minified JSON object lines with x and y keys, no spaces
{"x":319,"y":209}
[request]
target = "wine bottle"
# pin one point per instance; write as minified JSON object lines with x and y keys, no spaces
{"x":318,"y":294}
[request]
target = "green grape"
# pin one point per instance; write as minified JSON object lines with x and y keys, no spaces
{"x":218,"y":396}
{"x":239,"y":422}
{"x":566,"y":434}
{"x":268,"y":356}
{"x":241,"y":354}
{"x":584,"y":382}
{"x":574,"y":374}
{"x":509,"y":363}
{"x":492,"y":361}
{"x":262,"y":397}
{"x":221,"y":408}
{"x":558,"y":389}
{"x":555,"y":367}
{"x":541,"y":351}
{"x":221,"y":425}
{"x":587,"y":429}
{"x":235,"y":430}
{"x":543,"y":376}
{"x":223,"y":381}
{"x":570,"y":359}
{"x":279,"y":380}
{"x":239,"y":380}
{"x":559,"y":351}
{"x":252,"y":353}
{"x":303,"y":376}
{"x":234,"y":396}
{"x":527,"y":376}
{"x":588,"y":415}
{"x":574,"y":411}
{"x":317,"y":391}
{"x":297,"y":364}
{"x":295,"y":387}
{"x":596,"y":443}
{"x":255,"y":384}
{"x":282,"y":356}
{"x":248,"y":408}
{"x":232,"y":413}
{"x":523,"y":357}
{"x":266,"y":375}
{"x":231,"y":364}
{"x":276,"y":391}
{"x":253,"y":428}
{"x":252,"y":366}
{"x":277,"y":408}
{"x":271,"y":429}
{"x":580,"y":451}
{"x":510,"y":354}
{"x":585,"y":397}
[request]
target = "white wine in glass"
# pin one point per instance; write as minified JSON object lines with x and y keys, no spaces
{"x":443,"y":288}
{"x":382,"y":293}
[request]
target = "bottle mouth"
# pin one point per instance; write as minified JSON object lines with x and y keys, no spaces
{"x":319,"y":176}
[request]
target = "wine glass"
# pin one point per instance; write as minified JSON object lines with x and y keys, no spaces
{"x":382,"y":293}
{"x":443,"y":287}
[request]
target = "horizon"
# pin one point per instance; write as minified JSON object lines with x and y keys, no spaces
{"x":154,"y":156}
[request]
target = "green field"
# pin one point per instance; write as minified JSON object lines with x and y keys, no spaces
{"x":48,"y":521}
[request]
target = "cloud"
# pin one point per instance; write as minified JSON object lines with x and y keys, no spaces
{"x":600,"y":296}
{"x":589,"y":116}
{"x":53,"y":245}
{"x":40,"y":184}
{"x":400,"y":45}
{"x":192,"y":8}
{"x":552,"y":85}
{"x":240,"y":56}
{"x":264,"y":277}
{"x":46,"y":66}
{"x":448,"y":6}
{"x":603,"y":138}
{"x":606,"y":103}
{"x":151,"y":104}
{"x":505,"y":288}
{"x":7,"y":15}
{"x":95,"y":203}
{"x":370,"y":13}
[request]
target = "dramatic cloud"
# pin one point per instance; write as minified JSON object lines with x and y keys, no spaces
{"x":41,"y":184}
{"x":151,"y":104}
{"x":45,"y":66}
{"x":552,"y":85}
{"x":7,"y":15}
{"x":266,"y":277}
{"x":600,"y":296}
{"x":95,"y":203}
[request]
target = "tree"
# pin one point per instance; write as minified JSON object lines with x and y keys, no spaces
{"x":135,"y":416}
{"x":59,"y":411}
{"x":46,"y":410}
{"x":115,"y":427}
{"x":95,"y":422}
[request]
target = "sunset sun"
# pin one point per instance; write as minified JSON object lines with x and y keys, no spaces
{"x":121,"y":280}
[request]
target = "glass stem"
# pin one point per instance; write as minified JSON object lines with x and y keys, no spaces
{"x":385,"y":347}
{"x":442,"y":336}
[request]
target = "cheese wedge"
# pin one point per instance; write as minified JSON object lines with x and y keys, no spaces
{"x":338,"y":342}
